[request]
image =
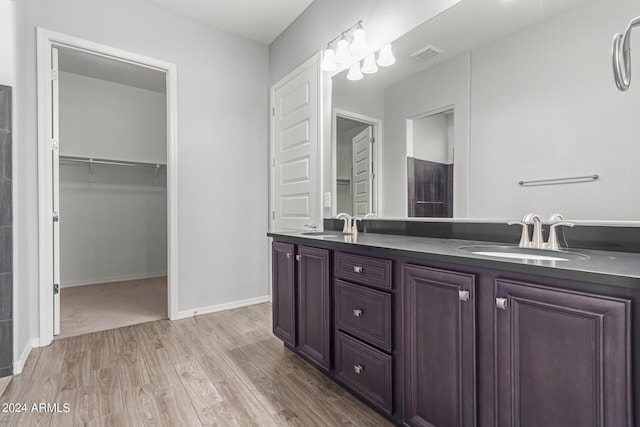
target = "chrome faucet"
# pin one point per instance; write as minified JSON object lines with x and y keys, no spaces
{"x":370,"y":215}
{"x":347,"y":222}
{"x":537,"y":242}
{"x":313,"y":226}
{"x":354,"y":226}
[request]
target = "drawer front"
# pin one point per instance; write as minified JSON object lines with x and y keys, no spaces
{"x":365,"y":370}
{"x":364,"y":270}
{"x":365,"y":313}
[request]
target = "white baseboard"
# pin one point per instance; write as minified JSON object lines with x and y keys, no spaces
{"x":18,"y":365}
{"x":73,"y":283}
{"x":221,"y":307}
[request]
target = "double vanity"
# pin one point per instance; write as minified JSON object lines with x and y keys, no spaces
{"x":453,"y":332}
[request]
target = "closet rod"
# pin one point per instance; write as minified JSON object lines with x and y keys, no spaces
{"x":96,"y":161}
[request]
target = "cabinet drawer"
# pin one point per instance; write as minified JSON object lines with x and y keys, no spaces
{"x":364,"y":313}
{"x":365,"y":270}
{"x":365,"y":370}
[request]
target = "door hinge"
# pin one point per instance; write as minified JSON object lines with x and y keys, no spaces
{"x":55,"y":216}
{"x":54,"y":75}
{"x":54,"y":144}
{"x":273,"y":162}
{"x":373,"y":139}
{"x":273,"y":215}
{"x":273,"y":111}
{"x":56,"y":289}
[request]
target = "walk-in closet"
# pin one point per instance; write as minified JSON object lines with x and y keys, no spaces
{"x":112,"y":177}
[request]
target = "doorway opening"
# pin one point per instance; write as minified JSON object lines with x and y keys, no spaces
{"x":107,"y":168}
{"x":430,"y":162}
{"x":356,"y":144}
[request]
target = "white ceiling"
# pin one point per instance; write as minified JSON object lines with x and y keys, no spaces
{"x":259,"y":20}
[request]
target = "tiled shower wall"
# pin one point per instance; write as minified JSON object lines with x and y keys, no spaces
{"x":6,"y":236}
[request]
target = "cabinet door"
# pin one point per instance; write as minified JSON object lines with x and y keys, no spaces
{"x":562,"y":358}
{"x":439,"y":341}
{"x":284,"y":292}
{"x":314,"y":319}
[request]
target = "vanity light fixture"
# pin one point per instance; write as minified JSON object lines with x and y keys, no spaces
{"x":354,"y":72}
{"x":369,"y":65}
{"x":385,"y":57}
{"x":348,"y":55}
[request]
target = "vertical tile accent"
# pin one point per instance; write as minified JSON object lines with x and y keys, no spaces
{"x":6,"y":351}
{"x":5,"y":108}
{"x":6,"y":235}
{"x":6,"y":296}
{"x":5,"y":155}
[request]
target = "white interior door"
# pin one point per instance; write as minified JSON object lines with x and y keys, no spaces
{"x":295,"y":173}
{"x":55,"y":209}
{"x":362,"y":173}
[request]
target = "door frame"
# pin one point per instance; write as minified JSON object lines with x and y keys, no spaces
{"x":47,"y":39}
{"x":376,"y":131}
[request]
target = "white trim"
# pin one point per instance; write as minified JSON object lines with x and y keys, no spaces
{"x":113,"y":279}
{"x":45,"y":40}
{"x":222,"y":307}
{"x":18,"y":365}
{"x":378,"y":159}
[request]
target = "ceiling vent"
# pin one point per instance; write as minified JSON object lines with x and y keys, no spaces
{"x":427,"y":54}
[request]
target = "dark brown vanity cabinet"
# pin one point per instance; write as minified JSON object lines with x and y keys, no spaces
{"x":284,"y":292}
{"x":562,"y":358}
{"x":301,"y":307}
{"x":439,"y":344}
{"x":439,"y":347}
{"x":314,"y":305}
{"x":363,"y":308}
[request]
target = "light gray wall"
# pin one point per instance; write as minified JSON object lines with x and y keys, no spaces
{"x":222,"y":128}
{"x":102,"y":119}
{"x":431,"y":139}
{"x":116,"y":228}
{"x":544,"y":105}
{"x":6,"y":43}
{"x":446,"y":84}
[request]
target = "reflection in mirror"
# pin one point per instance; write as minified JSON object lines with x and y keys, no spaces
{"x":532,"y":86}
{"x":430,"y":148}
{"x":354,"y":174}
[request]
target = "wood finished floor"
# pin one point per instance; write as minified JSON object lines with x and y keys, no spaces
{"x":93,"y":308}
{"x":222,"y":369}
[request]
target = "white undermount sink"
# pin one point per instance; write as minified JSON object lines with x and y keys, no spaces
{"x":515,"y":252}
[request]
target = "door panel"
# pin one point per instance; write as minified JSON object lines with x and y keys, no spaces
{"x":561,"y":357}
{"x":284,"y":292}
{"x":439,"y":336}
{"x":314,"y":319}
{"x":362,"y":173}
{"x":295,"y":175}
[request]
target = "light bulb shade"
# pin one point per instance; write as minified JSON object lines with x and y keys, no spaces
{"x":369,"y":65}
{"x":385,"y":56}
{"x":359,"y":43}
{"x":342,"y":54}
{"x":354,"y":72}
{"x":329,"y":60}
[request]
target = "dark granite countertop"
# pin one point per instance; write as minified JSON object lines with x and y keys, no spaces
{"x":619,"y":269}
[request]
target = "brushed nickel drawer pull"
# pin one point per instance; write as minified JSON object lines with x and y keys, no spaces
{"x":357,"y":312}
{"x":357,"y":269}
{"x":358,"y":369}
{"x":501,"y":303}
{"x":288,"y":255}
{"x":463,"y":295}
{"x":298,"y":257}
